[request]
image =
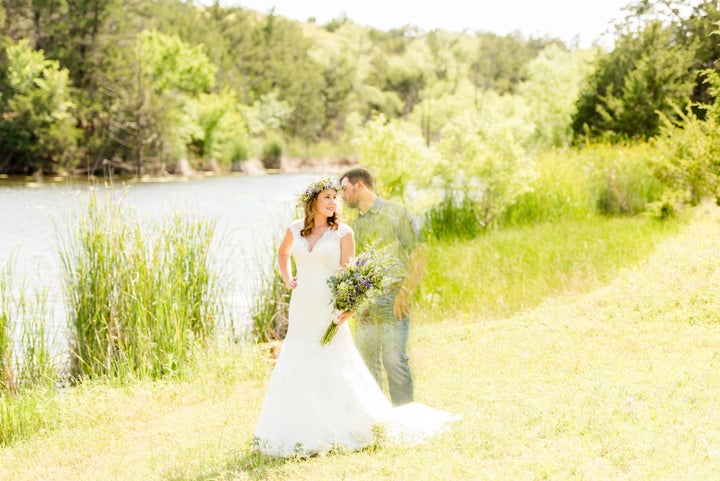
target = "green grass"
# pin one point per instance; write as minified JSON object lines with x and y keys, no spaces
{"x":614,"y":376}
{"x":27,"y":371}
{"x":506,"y":271}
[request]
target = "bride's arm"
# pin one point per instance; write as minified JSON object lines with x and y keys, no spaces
{"x":284,"y":261}
{"x":347,"y":250}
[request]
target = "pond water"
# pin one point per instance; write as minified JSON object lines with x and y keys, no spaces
{"x":251,"y":214}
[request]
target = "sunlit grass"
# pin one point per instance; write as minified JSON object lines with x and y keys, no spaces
{"x":618,"y":378}
{"x":97,"y":421}
{"x":505,"y":271}
{"x":563,"y":189}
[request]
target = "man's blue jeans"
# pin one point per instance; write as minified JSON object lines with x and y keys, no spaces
{"x":382,"y":342}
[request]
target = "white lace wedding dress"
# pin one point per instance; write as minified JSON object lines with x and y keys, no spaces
{"x":320,"y":397}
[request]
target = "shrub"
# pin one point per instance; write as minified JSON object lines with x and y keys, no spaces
{"x":486,"y":162}
{"x":395,"y":157}
{"x":626,"y":184}
{"x":688,"y":157}
{"x":455,"y":217}
{"x":272,"y":154}
{"x":37,"y":127}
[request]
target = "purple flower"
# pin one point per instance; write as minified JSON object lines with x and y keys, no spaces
{"x":316,"y":187}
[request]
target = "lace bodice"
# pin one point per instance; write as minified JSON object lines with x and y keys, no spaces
{"x":316,"y":265}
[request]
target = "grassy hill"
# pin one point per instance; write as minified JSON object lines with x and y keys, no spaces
{"x":621,"y":381}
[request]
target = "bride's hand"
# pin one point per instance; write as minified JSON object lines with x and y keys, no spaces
{"x":292,"y":283}
{"x":344,"y":316}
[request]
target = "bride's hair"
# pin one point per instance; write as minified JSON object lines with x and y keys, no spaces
{"x":310,"y":205}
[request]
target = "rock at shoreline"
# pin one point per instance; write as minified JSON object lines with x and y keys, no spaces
{"x":249,"y":167}
{"x":183,"y":168}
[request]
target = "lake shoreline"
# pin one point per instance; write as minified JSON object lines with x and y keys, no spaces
{"x":251,"y":167}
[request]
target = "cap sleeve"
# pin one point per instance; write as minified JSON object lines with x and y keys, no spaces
{"x":295,"y":227}
{"x":343,"y":230}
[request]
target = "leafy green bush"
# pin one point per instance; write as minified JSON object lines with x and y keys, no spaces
{"x":486,"y":162}
{"x":454,"y":217}
{"x":395,"y":157}
{"x":272,"y":153}
{"x":37,"y":127}
{"x":625,"y":184}
{"x":222,"y":133}
{"x":688,"y":157}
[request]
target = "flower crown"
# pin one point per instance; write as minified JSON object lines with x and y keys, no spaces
{"x":315,"y":188}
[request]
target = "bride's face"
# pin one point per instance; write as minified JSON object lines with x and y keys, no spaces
{"x":326,"y":203}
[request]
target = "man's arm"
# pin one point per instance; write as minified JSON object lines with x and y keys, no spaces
{"x":415,"y":272}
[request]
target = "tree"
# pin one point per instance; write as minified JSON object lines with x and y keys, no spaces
{"x":698,"y":32}
{"x":279,"y":60}
{"x":37,"y":128}
{"x":551,"y":91}
{"x":446,"y":86}
{"x":647,"y":73}
{"x":150,"y":124}
{"x":499,"y":62}
{"x":81,"y":49}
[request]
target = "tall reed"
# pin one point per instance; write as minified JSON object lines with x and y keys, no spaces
{"x":269,"y":309}
{"x":562,"y":189}
{"x":27,"y":370}
{"x":577,"y":183}
{"x":626,"y":184}
{"x":25,"y":360}
{"x":454,"y":217}
{"x":139,"y":300}
{"x":7,"y":343}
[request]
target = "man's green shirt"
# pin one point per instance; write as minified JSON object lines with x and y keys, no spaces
{"x":388,"y":226}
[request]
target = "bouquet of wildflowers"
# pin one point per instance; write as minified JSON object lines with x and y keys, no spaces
{"x":355,"y":283}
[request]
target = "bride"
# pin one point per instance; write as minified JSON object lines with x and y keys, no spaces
{"x":324,"y":397}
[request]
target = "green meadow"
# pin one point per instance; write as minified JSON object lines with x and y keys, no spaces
{"x":570,"y":306}
{"x":589,"y":354}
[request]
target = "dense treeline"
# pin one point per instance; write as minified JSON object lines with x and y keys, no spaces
{"x":163,"y":86}
{"x":146,"y":85}
{"x":659,"y":63}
